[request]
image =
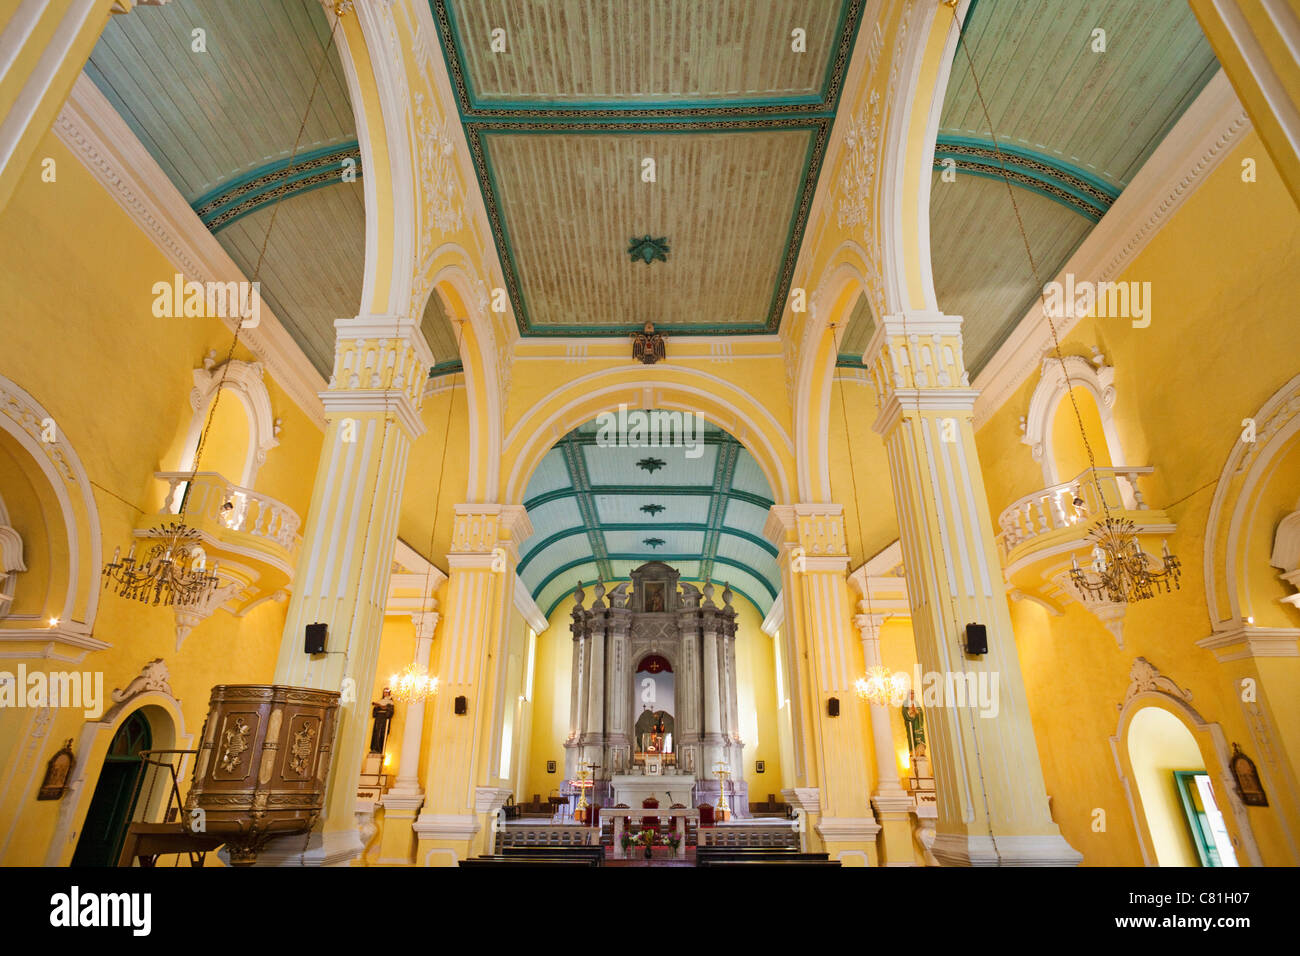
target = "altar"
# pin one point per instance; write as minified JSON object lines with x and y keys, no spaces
{"x":653,"y":703}
{"x":667,"y":788}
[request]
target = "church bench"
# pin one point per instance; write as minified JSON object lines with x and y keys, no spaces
{"x":507,"y":861}
{"x":594,"y":854}
{"x":754,"y":853}
{"x":736,"y":861}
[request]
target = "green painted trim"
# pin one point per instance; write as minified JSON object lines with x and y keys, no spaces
{"x":1070,"y":186}
{"x":648,"y":525}
{"x":273,"y":182}
{"x":703,"y":491}
{"x":472,"y":106}
{"x":450,"y":367}
{"x":1202,"y":841}
{"x":849,"y":360}
{"x":665,"y":558}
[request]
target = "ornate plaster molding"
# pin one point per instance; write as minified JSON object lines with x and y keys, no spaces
{"x":1147,"y":679}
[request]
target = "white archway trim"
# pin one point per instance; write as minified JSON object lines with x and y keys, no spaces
{"x":813,"y":378}
{"x":544,"y":429}
{"x":1036,"y":430}
{"x":1150,"y":688}
{"x":244,"y":380}
{"x":26,"y":420}
{"x":1275,"y":423}
{"x":150,"y":689}
{"x":482,"y":369}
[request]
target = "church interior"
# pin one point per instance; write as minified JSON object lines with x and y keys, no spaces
{"x":681,"y":433}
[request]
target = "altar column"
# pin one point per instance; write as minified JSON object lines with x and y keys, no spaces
{"x":893,"y":804}
{"x":992,"y":802}
{"x":403,"y":800}
{"x":832,"y":753}
{"x":462,"y":785}
{"x":593,"y":738}
{"x":372,"y":410}
{"x":711,"y":739}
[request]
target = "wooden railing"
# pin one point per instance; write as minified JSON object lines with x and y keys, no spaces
{"x":250,"y":511}
{"x":1054,"y":508}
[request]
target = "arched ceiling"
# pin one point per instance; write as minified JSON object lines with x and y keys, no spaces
{"x":1074,"y":126}
{"x":561,"y":121}
{"x":600,"y":510}
{"x":221,"y":125}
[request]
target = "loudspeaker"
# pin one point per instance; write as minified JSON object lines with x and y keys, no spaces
{"x":977,"y":639}
{"x":461,"y":706}
{"x":833,"y":707}
{"x":315,"y":640}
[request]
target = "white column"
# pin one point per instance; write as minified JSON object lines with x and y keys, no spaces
{"x":408,"y":779}
{"x":889,"y":795}
{"x":712,"y":703}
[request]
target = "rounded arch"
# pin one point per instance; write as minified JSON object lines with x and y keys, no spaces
{"x":1213,"y":748}
{"x":1244,"y":478}
{"x":53,"y":466}
{"x":1052,"y":389}
{"x":648,"y":387}
{"x":832,"y":301}
{"x":167,"y":727}
{"x":465,"y":300}
{"x":244,"y":381}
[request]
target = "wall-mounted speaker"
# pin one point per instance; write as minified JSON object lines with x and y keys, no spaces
{"x":315,"y":639}
{"x":461,"y":705}
{"x":833,"y":707}
{"x":977,"y":639}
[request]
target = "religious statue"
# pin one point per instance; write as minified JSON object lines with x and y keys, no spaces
{"x":914,"y":721}
{"x":383,"y":713}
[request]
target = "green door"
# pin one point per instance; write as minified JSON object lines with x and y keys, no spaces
{"x":106,"y":820}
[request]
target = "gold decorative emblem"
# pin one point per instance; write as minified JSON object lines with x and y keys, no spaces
{"x":300,"y":752}
{"x":236,"y":742}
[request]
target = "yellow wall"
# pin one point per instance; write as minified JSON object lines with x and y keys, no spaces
{"x":1216,"y":349}
{"x":80,"y":337}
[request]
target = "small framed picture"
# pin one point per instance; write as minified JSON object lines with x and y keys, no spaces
{"x":760,"y":766}
{"x":550,"y":766}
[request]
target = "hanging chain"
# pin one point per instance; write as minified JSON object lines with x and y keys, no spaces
{"x":1033,"y":263}
{"x":257,"y":271}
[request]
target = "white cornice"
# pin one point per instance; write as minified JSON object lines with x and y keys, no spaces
{"x":775,"y":617}
{"x":1210,"y":128}
{"x":526,"y":606}
{"x":90,"y":127}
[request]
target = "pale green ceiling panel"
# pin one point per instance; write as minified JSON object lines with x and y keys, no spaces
{"x":1048,"y":91}
{"x":625,"y":509}
{"x":749,"y":477}
{"x":314,"y":264}
{"x":585,"y":51}
{"x":745,"y":584}
{"x":560,"y":591}
{"x":551,"y":475}
{"x":861,"y":326}
{"x":981,"y":271}
{"x":664,"y":466}
{"x":207,"y":118}
{"x":742,"y":514}
{"x":438,"y":331}
{"x":572,"y":202}
{"x":552,"y":517}
{"x":674,"y":542}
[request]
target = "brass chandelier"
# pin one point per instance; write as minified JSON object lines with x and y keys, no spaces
{"x":413,"y":684}
{"x":1121,"y":572}
{"x":174,"y":573}
{"x":881,"y":685}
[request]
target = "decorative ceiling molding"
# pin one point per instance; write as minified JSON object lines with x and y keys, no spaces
{"x":273,"y":182}
{"x":90,"y":127}
{"x":1088,"y":195}
{"x":815,"y":115}
{"x":1206,"y":133}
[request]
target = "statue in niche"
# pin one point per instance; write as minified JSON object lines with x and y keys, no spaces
{"x":914,"y":722}
{"x":383,"y":712}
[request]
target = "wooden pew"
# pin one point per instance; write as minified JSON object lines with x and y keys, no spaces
{"x":594,"y":854}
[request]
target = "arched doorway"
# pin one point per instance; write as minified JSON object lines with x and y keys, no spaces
{"x":106,"y":820}
{"x":656,"y":695}
{"x":1178,"y":801}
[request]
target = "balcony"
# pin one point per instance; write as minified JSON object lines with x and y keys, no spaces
{"x":1039,"y":533}
{"x":251,"y":536}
